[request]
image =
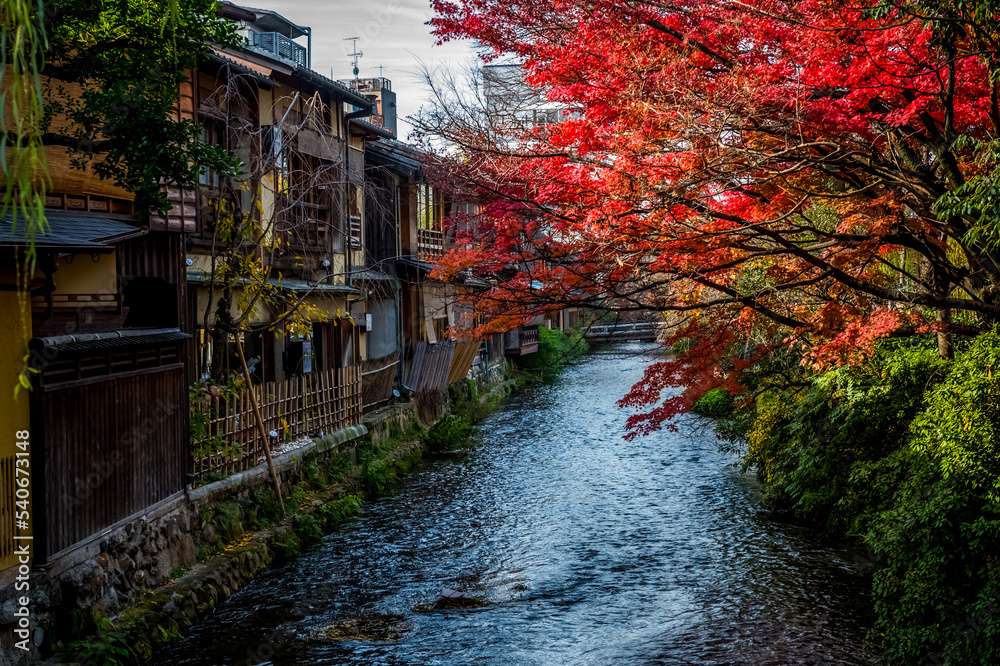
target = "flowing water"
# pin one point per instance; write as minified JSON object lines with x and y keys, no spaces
{"x":583,"y":549}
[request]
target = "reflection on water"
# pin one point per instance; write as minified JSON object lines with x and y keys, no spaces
{"x":586,"y":549}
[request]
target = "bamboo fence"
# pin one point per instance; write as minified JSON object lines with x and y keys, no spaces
{"x":300,"y":406}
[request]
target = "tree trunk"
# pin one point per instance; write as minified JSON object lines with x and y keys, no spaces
{"x":220,"y":336}
{"x":264,"y":439}
{"x":946,"y":343}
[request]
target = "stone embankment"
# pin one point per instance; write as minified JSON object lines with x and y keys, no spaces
{"x":141,"y":582}
{"x":144,"y":580}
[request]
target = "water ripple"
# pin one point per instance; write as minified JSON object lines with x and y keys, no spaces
{"x":587,"y":549}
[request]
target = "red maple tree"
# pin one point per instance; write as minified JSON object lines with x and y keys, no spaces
{"x":766,"y":172}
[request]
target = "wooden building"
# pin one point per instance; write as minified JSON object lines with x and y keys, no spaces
{"x":104,"y":323}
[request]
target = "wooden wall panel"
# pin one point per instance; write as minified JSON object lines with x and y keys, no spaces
{"x":111,"y":448}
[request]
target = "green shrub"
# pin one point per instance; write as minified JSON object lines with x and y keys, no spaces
{"x":902,"y":452}
{"x":555,"y":349}
{"x":681,"y":346}
{"x":286,"y":545}
{"x":107,"y":647}
{"x":333,"y":514}
{"x":308,"y":528}
{"x":938,"y":593}
{"x":451,"y":432}
{"x":715,"y":403}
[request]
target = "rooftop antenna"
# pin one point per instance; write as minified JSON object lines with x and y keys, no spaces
{"x":380,"y":68}
{"x":357,"y":54}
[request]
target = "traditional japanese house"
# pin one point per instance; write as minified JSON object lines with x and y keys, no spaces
{"x":103,"y":319}
{"x":301,"y":137}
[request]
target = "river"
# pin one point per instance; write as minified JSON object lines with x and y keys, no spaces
{"x":584,"y":549}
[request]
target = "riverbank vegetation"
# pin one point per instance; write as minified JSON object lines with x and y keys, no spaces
{"x":556,"y":349}
{"x":900,"y":451}
{"x":470,"y":406}
{"x":807,"y":195}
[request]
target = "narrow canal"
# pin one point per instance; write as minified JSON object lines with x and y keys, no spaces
{"x":586,"y":549}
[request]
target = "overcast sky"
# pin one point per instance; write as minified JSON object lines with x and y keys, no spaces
{"x":392,"y":33}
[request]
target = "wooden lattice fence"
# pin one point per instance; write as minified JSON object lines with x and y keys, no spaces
{"x":317,"y":402}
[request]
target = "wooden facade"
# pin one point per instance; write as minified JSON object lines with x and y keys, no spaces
{"x":109,"y":409}
{"x":118,"y":324}
{"x":110,"y":446}
{"x":378,"y":380}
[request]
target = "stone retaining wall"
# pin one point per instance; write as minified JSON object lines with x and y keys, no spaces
{"x":119,"y":567}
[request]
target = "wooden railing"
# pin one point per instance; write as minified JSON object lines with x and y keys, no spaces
{"x":529,"y":336}
{"x":301,"y":406}
{"x":430,"y":243}
{"x":521,"y":341}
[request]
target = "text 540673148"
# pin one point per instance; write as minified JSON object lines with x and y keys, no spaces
{"x":22,"y":537}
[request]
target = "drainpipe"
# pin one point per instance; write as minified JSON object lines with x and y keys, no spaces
{"x":395,"y":271}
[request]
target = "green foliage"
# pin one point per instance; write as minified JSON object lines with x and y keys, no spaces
{"x":978,"y":198}
{"x":715,"y":403}
{"x":473,"y":407}
{"x":682,"y":346}
{"x":286,"y":545}
{"x":108,"y":647}
{"x":264,"y":509}
{"x":380,"y":475}
{"x":314,"y":475}
{"x":452,"y":432}
{"x":902,"y":452}
{"x":555,"y":350}
{"x":308,"y":528}
{"x":129,"y":59}
{"x":333,"y":514}
{"x":202,"y":409}
{"x":939,"y":531}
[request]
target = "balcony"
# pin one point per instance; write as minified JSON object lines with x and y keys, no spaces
{"x":521,"y":341}
{"x":280,"y":46}
{"x":306,"y":227}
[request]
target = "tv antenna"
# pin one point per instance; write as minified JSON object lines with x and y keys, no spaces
{"x":380,"y":68}
{"x":356,"y":54}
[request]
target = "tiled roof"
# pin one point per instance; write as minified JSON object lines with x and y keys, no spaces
{"x":113,"y":340}
{"x":66,"y":230}
{"x":195,"y":276}
{"x":223,"y":61}
{"x":374,"y":129}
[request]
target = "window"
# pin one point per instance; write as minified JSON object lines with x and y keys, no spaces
{"x":423,"y":211}
{"x":212,"y":133}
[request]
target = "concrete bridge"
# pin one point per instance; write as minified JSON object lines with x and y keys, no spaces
{"x":637,"y":332}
